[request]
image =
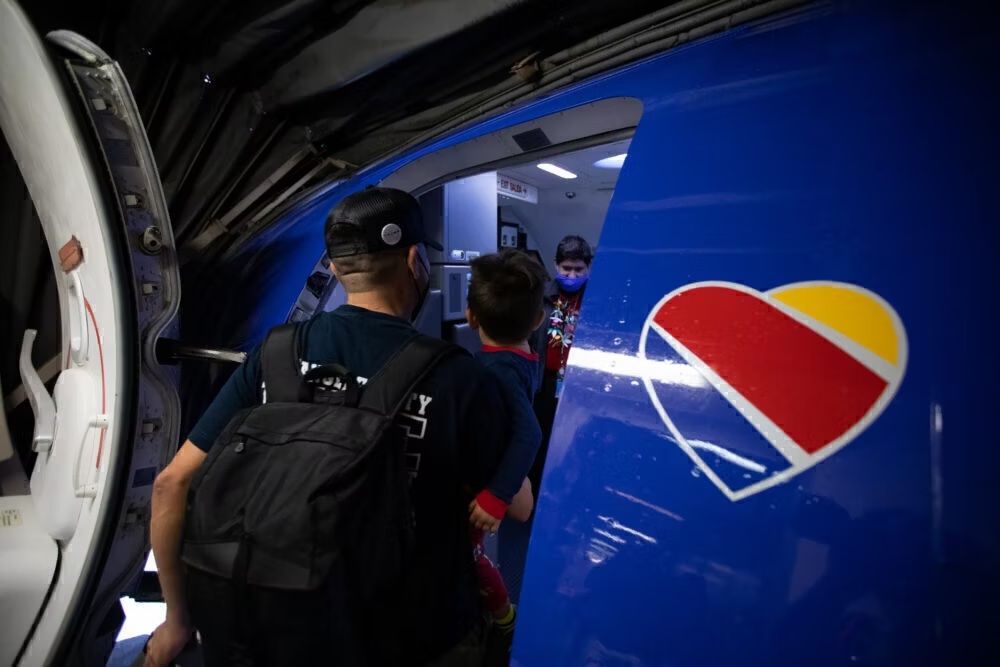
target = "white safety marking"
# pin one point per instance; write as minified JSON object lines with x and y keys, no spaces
{"x":10,"y":518}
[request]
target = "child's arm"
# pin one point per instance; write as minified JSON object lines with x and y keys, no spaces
{"x":520,"y":508}
{"x":525,"y":440}
{"x":493,"y":502}
{"x":483,"y":520}
{"x":523,"y":503}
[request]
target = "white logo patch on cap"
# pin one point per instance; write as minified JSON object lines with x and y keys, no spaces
{"x":391,"y":233}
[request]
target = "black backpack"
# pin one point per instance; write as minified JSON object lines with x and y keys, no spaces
{"x":312,"y":481}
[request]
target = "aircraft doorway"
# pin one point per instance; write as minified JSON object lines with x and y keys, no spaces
{"x":531,"y":206}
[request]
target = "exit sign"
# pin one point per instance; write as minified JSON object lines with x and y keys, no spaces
{"x":515,"y":189}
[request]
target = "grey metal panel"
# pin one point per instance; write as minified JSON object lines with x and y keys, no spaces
{"x":455,"y":289}
{"x":432,"y":206}
{"x":470,"y":216}
{"x":465,"y":336}
{"x":429,"y":319}
{"x":462,"y":216}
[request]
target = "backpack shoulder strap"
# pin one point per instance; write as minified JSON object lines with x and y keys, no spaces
{"x":279,"y":358}
{"x":388,"y":392}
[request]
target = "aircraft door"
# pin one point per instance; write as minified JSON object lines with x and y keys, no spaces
{"x":106,"y":415}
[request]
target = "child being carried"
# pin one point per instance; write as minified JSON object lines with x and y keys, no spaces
{"x":505,"y":306}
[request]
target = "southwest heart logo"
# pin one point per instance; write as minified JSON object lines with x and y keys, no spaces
{"x":785,"y":378}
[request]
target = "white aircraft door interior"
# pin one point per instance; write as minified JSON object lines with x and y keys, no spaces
{"x":74,"y":495}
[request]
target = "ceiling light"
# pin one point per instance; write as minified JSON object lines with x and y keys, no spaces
{"x":558,"y":171}
{"x":613,"y":162}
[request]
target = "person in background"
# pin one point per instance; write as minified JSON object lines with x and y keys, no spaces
{"x":505,"y":307}
{"x":573,"y":260}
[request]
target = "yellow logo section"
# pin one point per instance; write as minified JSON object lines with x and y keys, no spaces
{"x":857,"y":314}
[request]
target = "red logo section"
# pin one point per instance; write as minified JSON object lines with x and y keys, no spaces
{"x":808,"y":366}
{"x":790,"y":372}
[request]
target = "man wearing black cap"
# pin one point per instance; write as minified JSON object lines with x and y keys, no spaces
{"x":456,"y":435}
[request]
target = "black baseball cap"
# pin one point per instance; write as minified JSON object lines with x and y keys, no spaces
{"x":374,"y":220}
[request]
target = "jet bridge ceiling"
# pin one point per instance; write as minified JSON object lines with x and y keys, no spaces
{"x":249,"y":104}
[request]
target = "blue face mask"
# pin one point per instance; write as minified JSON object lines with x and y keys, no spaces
{"x":571,"y":285}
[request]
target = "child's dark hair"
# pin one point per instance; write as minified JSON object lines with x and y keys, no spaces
{"x":506,"y":293}
{"x":574,"y":247}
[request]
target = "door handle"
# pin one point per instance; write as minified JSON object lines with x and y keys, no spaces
{"x":62,"y":426}
{"x":79,"y":330}
{"x":41,"y":403}
{"x":89,"y":488}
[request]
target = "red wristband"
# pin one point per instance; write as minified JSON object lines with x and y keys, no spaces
{"x":492,"y":505}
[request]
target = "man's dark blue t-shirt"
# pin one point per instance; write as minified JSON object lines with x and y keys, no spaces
{"x":457,"y":432}
{"x":517,"y":372}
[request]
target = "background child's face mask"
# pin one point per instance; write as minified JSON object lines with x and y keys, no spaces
{"x":571,"y":284}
